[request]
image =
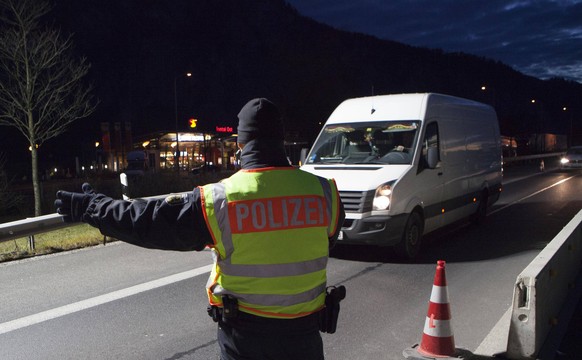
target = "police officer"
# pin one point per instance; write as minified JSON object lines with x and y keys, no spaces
{"x":270,"y":227}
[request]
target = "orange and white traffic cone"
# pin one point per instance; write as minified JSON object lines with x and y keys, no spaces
{"x":437,"y":337}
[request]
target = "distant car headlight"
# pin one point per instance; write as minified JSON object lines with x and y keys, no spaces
{"x":564,"y":160}
{"x":382,"y":197}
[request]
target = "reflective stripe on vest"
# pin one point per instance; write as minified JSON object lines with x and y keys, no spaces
{"x":273,"y":299}
{"x":281,"y":240}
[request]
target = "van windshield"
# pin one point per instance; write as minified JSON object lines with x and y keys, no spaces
{"x":379,"y":142}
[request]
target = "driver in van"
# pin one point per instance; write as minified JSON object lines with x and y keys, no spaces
{"x":371,"y":140}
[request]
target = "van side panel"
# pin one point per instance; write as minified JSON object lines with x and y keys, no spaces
{"x":471,"y":154}
{"x":455,"y":162}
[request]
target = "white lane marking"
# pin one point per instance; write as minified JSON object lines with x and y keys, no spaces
{"x":530,"y":195}
{"x":99,"y":300}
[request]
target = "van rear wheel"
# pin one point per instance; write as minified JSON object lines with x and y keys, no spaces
{"x":409,"y":246}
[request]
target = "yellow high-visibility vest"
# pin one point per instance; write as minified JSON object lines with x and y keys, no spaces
{"x":270,"y":228}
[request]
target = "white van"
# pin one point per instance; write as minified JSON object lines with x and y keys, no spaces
{"x":409,"y":164}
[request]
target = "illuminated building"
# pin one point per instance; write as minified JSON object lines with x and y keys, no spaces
{"x":196,"y":149}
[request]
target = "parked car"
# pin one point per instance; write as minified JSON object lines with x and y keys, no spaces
{"x":572,"y":159}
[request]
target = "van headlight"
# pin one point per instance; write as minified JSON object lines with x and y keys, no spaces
{"x":382,"y":197}
{"x":564,"y":160}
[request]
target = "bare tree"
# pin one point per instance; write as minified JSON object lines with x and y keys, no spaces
{"x":41,"y":92}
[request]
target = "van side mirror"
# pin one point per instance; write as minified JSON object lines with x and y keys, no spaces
{"x":432,"y":157}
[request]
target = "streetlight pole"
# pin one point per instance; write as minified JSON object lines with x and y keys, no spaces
{"x":177,"y":157}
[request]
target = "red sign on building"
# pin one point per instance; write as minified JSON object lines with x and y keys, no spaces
{"x":224,"y":129}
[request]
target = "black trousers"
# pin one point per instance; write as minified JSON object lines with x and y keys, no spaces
{"x":251,"y":337}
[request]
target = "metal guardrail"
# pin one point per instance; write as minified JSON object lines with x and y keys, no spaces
{"x":36,"y":225}
{"x":522,"y":158}
{"x":31,"y":226}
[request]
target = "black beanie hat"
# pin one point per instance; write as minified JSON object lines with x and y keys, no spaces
{"x":259,"y":119}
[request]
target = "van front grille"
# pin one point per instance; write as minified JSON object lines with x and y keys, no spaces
{"x":357,"y":201}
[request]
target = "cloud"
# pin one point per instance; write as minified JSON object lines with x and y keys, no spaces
{"x":539,"y":38}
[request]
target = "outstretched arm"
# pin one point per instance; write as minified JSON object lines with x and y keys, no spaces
{"x":175,"y":222}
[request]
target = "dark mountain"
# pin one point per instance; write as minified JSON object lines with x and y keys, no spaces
{"x":240,"y":49}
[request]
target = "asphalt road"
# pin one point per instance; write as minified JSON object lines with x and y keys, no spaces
{"x":122,"y":302}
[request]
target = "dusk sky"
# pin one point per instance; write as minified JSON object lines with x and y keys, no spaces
{"x":541,"y":38}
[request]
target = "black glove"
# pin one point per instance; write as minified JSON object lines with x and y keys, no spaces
{"x":73,"y":205}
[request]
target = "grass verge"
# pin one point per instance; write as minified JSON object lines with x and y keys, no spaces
{"x":69,"y":238}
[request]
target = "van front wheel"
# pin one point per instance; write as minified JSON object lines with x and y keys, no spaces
{"x":409,"y":246}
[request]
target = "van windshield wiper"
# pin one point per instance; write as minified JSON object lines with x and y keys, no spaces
{"x":371,"y":162}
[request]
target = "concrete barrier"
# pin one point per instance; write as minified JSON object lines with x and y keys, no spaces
{"x":541,"y":290}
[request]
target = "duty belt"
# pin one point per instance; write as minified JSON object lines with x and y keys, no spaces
{"x":327,"y":317}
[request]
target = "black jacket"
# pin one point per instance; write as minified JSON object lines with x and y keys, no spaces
{"x":176,"y":222}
